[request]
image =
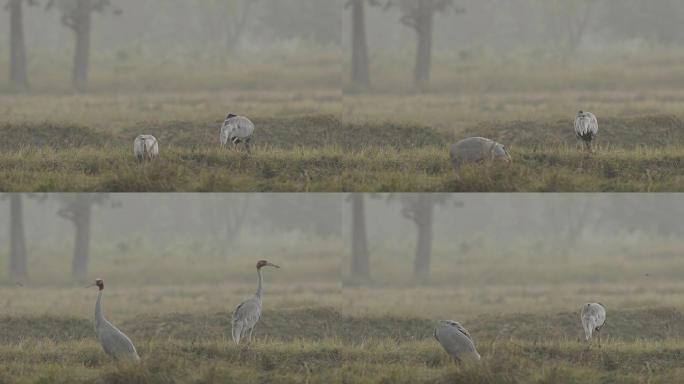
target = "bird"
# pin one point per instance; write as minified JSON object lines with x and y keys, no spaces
{"x":586,"y":127}
{"x":237,"y":129}
{"x":114,"y":342}
{"x":247,"y":313}
{"x":477,"y":150}
{"x":456,"y":341}
{"x":145,"y":147}
{"x":593,"y":318}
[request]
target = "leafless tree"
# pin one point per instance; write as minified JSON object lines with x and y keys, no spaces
{"x":77,"y":15}
{"x":568,"y":22}
{"x":77,"y":208}
{"x":360,"y":268}
{"x":18,"y":270}
{"x":419,"y":208}
{"x":419,"y":15}
{"x":360,"y":71}
{"x":227,"y":19}
{"x":18,"y":62}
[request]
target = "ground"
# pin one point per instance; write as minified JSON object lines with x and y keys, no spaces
{"x":312,"y":137}
{"x":524,"y":321}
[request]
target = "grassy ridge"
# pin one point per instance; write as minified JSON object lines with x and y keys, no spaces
{"x":321,"y":345}
{"x":287,"y":325}
{"x":319,"y":153}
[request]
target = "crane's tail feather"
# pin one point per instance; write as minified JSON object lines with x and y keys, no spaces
{"x":237,"y":332}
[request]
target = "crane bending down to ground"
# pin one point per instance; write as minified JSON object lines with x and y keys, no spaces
{"x":593,"y":317}
{"x":237,"y":129}
{"x":113,"y":341}
{"x":586,"y":127}
{"x":456,"y":341}
{"x":247,"y":314}
{"x":145,"y":147}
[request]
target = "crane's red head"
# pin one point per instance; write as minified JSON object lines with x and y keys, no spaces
{"x":99,"y":283}
{"x":265,"y":263}
{"x":230,"y":116}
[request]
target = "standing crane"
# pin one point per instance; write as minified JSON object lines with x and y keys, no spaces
{"x":586,"y":127}
{"x":247,"y":314}
{"x":456,"y":341}
{"x":114,"y":342}
{"x":593,"y":317}
{"x":237,"y":129}
{"x":145,"y":147}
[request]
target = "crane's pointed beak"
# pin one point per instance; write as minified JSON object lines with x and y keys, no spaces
{"x":273,"y":265}
{"x":91,"y":285}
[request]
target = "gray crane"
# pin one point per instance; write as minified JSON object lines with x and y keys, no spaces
{"x":593,"y":318}
{"x":586,"y":127}
{"x":477,"y":150}
{"x":456,"y":341}
{"x":114,"y":342}
{"x":145,"y":147}
{"x":247,"y":314}
{"x":237,"y":129}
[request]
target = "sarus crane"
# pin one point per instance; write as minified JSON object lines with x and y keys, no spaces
{"x":247,"y":314}
{"x":237,"y":129}
{"x":145,"y":147}
{"x":114,"y":342}
{"x":586,"y":127}
{"x":593,"y":318}
{"x":456,"y":341}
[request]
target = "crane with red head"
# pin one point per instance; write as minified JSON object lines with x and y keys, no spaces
{"x":247,"y":314}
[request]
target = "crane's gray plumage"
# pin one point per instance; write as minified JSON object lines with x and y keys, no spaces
{"x":586,"y":127}
{"x":247,"y":313}
{"x":456,"y":340}
{"x":237,"y":129}
{"x":114,"y":342}
{"x":593,"y":317}
{"x":145,"y":147}
{"x":477,"y":149}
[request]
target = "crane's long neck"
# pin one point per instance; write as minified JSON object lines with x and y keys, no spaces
{"x":98,"y":309}
{"x":261,"y":279}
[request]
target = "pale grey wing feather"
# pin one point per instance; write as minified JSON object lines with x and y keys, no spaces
{"x":456,"y":341}
{"x":242,"y":127}
{"x":116,"y":344}
{"x":245,"y":317}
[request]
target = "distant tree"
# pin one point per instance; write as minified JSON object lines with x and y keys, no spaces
{"x":360,"y":71}
{"x":568,"y":22}
{"x":18,"y":62}
{"x":315,"y":20}
{"x":77,"y":208}
{"x":419,"y":15}
{"x":227,"y":19}
{"x":419,"y":208}
{"x":360,"y":269}
{"x":77,"y":15}
{"x":661,"y":21}
{"x":18,"y":270}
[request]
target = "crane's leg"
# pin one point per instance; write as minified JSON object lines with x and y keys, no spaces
{"x":250,"y":334}
{"x":598,"y":333}
{"x":248,"y":145}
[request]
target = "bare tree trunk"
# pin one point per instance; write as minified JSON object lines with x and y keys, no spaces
{"x":360,"y":266}
{"x":18,"y":268}
{"x":18,"y":64}
{"x":424,"y":30}
{"x":360,"y":67}
{"x":424,"y":213}
{"x":81,"y":220}
{"x":81,"y":27}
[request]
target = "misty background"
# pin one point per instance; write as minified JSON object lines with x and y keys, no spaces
{"x":180,"y":238}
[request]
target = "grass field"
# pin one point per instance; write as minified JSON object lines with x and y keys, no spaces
{"x":320,"y":153}
{"x":519,"y":307}
{"x":312,"y":137}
